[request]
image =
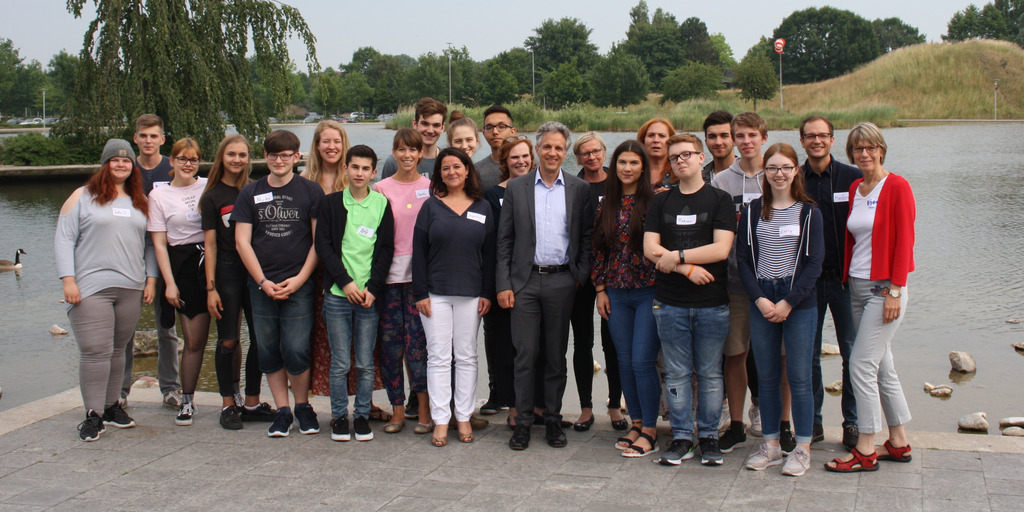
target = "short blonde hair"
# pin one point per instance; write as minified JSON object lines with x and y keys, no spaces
{"x":865,"y":132}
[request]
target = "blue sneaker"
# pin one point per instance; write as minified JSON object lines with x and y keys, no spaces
{"x":308,"y":423}
{"x":282,"y":423}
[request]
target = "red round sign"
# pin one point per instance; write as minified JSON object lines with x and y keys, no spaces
{"x":780,"y":43}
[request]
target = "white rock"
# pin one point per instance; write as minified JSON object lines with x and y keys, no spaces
{"x":942,"y":391}
{"x":1013,"y":321}
{"x":828,"y":349}
{"x":962,"y":362}
{"x":835,"y":387}
{"x":1014,"y":431}
{"x":597,"y":366}
{"x":1019,"y":346}
{"x":56,"y":330}
{"x":146,"y":382}
{"x":1015,"y":421}
{"x":928,"y":386}
{"x":974,"y":421}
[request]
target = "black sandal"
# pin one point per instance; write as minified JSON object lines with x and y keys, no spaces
{"x":628,"y":441}
{"x":640,"y":452}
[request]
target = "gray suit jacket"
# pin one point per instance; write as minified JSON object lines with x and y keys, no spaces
{"x":517,"y":235}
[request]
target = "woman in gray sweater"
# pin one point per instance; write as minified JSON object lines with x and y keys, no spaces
{"x":100,"y":252}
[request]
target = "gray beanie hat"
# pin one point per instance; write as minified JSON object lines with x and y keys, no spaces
{"x":117,"y":147}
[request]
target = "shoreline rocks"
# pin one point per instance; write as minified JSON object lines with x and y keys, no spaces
{"x":974,"y":422}
{"x":1014,"y":431}
{"x":835,"y":387}
{"x":57,"y":330}
{"x":942,"y":390}
{"x":1015,"y":421}
{"x":828,"y":349}
{"x":962,"y":362}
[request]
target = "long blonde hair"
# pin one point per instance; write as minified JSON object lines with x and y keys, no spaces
{"x":313,"y":165}
{"x":217,"y":169}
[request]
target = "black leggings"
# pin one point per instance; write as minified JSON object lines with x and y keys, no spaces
{"x":582,"y":321}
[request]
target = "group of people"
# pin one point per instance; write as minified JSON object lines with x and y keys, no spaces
{"x":710,"y":277}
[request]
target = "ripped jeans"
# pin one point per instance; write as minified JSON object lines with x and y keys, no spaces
{"x":691,"y":341}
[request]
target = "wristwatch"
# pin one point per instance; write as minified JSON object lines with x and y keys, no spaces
{"x":894,"y":293}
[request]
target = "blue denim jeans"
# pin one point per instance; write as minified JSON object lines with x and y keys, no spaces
{"x":350,"y":328}
{"x":692,"y":340}
{"x":282,"y":329}
{"x":635,"y":336}
{"x":766,"y":339}
{"x":834,"y":295}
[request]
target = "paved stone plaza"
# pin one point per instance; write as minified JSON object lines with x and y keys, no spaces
{"x":160,"y":466}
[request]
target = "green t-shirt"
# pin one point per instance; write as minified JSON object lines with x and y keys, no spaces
{"x":363,"y":218}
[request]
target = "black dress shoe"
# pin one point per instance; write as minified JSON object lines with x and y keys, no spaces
{"x":520,"y":438}
{"x":492,"y":406}
{"x":583,"y":426}
{"x":818,"y":433}
{"x":851,"y":434}
{"x":539,"y":420}
{"x":555,"y":435}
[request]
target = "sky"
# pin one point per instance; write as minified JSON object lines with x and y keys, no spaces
{"x":41,"y":28}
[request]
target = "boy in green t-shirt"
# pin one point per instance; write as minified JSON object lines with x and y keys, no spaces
{"x":355,"y":241}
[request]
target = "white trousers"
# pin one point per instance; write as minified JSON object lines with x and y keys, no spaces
{"x":451,"y":334}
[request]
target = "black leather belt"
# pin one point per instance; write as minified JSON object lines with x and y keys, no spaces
{"x":550,"y":269}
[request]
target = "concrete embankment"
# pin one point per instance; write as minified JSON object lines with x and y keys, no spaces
{"x":34,"y":172}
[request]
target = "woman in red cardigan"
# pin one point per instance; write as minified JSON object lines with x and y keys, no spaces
{"x":879,"y":255}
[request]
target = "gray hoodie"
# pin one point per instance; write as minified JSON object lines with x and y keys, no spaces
{"x":743,"y":190}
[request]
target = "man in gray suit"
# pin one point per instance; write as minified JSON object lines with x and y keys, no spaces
{"x":543,"y":256}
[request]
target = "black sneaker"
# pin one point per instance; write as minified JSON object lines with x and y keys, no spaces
{"x":492,"y":406}
{"x":231,"y":418}
{"x":339,"y":430}
{"x":115,"y":416}
{"x":710,"y":455}
{"x":282,"y":423}
{"x":818,"y":433}
{"x":732,"y":439}
{"x":363,"y":431}
{"x":184,"y":417}
{"x":308,"y":423}
{"x":787,"y":441}
{"x":263,"y":412}
{"x":677,"y":452}
{"x":851,"y":434}
{"x":412,"y":407}
{"x":91,"y":428}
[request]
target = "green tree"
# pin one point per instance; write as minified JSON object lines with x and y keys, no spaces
{"x":756,"y":77}
{"x":696,"y":43}
{"x":517,"y":63}
{"x":61,"y":78}
{"x":565,"y":85}
{"x":619,"y":79}
{"x":26,"y":93}
{"x":184,"y":61}
{"x":893,"y":33}
{"x":726,"y":60}
{"x":355,"y":92}
{"x":1003,"y":20}
{"x":693,"y":80}
{"x":655,"y":40}
{"x":497,"y":85}
{"x":10,"y":60}
{"x":558,"y":42}
{"x":386,"y":76}
{"x":823,"y":43}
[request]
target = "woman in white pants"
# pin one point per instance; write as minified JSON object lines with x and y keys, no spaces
{"x":879,"y":256}
{"x":452,"y":276}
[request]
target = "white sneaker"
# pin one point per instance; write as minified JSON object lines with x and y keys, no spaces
{"x":173,"y":399}
{"x":797,"y":463}
{"x":726,"y":420}
{"x":754,"y":413}
{"x":765,"y":457}
{"x":184,"y":417}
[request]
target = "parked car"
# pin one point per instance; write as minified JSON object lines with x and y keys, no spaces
{"x":36,"y":120}
{"x":50,"y":120}
{"x":272,"y":120}
{"x":14,"y":120}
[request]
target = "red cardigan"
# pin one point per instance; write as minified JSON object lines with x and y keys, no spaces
{"x":892,"y":236}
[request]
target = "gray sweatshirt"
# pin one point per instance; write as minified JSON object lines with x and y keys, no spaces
{"x":743,"y":190}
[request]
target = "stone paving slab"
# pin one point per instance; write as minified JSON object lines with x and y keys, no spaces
{"x":160,"y":466}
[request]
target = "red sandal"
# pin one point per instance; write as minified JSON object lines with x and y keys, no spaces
{"x":859,"y":462}
{"x":895,"y":454}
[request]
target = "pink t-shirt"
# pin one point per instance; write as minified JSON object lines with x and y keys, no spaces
{"x":406,"y":200}
{"x":176,"y":211}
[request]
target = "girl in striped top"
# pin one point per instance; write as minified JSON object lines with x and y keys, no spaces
{"x":780,"y":251}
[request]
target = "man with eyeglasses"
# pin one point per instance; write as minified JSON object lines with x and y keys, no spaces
{"x":429,"y":122}
{"x":497,"y":127}
{"x":828,"y":181}
{"x":688,"y":235}
{"x":275,"y":218}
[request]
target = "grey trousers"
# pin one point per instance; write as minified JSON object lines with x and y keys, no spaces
{"x":104,"y":324}
{"x":875,"y":384}
{"x":167,"y":353}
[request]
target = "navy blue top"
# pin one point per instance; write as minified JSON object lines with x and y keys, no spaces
{"x":835,"y":179}
{"x":454,"y":254}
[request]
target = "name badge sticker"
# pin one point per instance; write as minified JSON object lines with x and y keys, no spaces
{"x":686,"y":220}
{"x":192,"y":216}
{"x":263,"y":198}
{"x":789,"y":230}
{"x":422,"y":193}
{"x":158,"y":184}
{"x":479,"y":217}
{"x":872,"y":203}
{"x":122,"y":212}
{"x":750,"y":196}
{"x":841,"y":197}
{"x":366,"y":231}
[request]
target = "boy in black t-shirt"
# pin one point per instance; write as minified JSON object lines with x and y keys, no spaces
{"x":689,"y":233}
{"x":274,"y":222}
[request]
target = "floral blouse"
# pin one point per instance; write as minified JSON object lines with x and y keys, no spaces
{"x":619,"y":265}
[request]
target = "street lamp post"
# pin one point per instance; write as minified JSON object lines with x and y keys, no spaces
{"x":780,"y":43}
{"x":44,"y":108}
{"x":533,"y":71}
{"x":449,"y":73}
{"x":995,"y":100}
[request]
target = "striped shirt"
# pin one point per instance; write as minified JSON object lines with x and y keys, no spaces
{"x":778,"y":241}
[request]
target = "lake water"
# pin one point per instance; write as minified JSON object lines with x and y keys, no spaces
{"x":969,"y":279}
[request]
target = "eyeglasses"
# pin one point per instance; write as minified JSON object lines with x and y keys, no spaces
{"x":500,"y":127}
{"x":814,"y":136}
{"x":280,"y":156}
{"x":871,"y":150}
{"x":182,"y":160}
{"x":515,"y":138}
{"x":785,"y":169}
{"x":588,"y":154}
{"x":682,"y":157}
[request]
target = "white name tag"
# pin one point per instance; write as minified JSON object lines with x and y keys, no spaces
{"x":422,"y":193}
{"x":686,"y":220}
{"x":192,"y":216}
{"x":501,"y":201}
{"x":750,"y":196}
{"x":479,"y":217}
{"x":841,"y":197}
{"x":872,"y":203}
{"x":122,"y":212}
{"x":790,"y":230}
{"x":158,"y":184}
{"x":366,"y":231}
{"x":263,"y":198}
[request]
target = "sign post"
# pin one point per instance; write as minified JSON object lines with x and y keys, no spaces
{"x":780,"y":43}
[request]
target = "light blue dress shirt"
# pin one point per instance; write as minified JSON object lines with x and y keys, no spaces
{"x":552,"y":223}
